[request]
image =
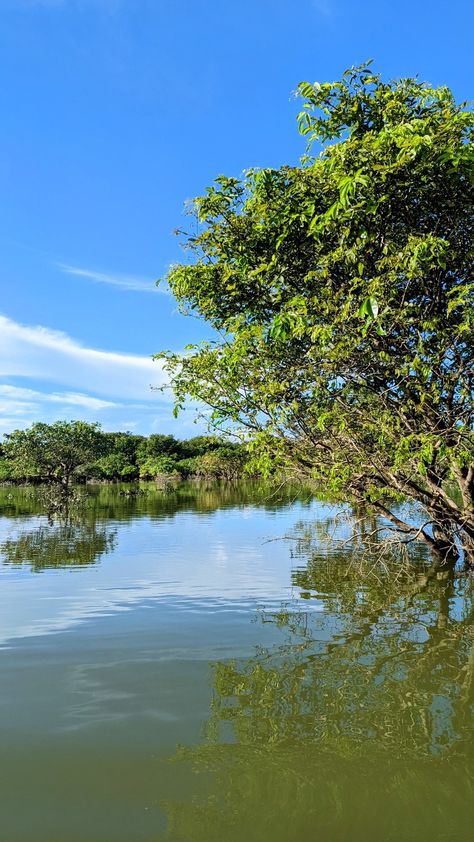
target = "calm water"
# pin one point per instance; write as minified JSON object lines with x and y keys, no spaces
{"x":173,"y":668}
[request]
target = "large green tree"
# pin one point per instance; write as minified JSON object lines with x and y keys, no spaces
{"x":341,"y":293}
{"x":53,"y":452}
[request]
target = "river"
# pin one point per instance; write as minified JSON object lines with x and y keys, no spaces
{"x":220,"y":662}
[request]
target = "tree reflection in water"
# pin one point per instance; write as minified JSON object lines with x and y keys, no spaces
{"x":65,"y":532}
{"x":73,"y":531}
{"x":61,"y":544}
{"x":356,"y":725}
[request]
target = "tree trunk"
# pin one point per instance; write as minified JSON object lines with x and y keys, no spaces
{"x":445,"y":545}
{"x":467,"y":544}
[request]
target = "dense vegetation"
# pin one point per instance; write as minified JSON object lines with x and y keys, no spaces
{"x":70,"y":451}
{"x":341,"y":291}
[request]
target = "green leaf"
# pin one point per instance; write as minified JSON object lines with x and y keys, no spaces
{"x":369,"y":308}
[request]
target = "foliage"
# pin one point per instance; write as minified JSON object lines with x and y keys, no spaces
{"x":342,"y":292}
{"x":222,"y":462}
{"x":52,"y":452}
{"x":157,"y":445}
{"x":114,"y":466}
{"x":74,"y":450}
{"x":199,"y":445}
{"x":158,"y":465}
{"x":5,"y":470}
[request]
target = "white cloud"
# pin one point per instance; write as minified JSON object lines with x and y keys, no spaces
{"x":53,"y":357}
{"x":105,"y":386}
{"x":70,"y":398}
{"x":14,"y":423}
{"x":82,"y":400}
{"x":21,"y":408}
{"x":126,"y":282}
{"x":11,"y":392}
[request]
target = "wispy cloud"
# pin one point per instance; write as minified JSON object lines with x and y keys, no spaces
{"x":127,"y":282}
{"x":48,"y":376}
{"x":54,"y":357}
{"x":25,"y":397}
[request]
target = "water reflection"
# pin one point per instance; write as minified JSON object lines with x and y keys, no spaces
{"x":357,"y":724}
{"x":341,"y":710}
{"x":64,"y":544}
{"x":78,"y":534}
{"x":122,"y":502}
{"x":186,"y":549}
{"x":118,"y":502}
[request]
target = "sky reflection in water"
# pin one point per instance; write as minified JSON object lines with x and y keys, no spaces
{"x":171,"y":672}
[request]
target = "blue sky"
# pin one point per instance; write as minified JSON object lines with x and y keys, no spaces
{"x":115,"y":112}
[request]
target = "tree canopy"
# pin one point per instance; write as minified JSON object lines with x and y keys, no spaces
{"x":53,"y":451}
{"x":74,"y":450}
{"x":341,"y":293}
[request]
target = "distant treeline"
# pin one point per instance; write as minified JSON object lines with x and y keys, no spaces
{"x":75,"y":451}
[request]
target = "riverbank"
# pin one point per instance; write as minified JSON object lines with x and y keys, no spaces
{"x":78,"y":452}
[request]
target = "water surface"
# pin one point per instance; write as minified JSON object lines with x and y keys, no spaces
{"x":174,"y":666}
